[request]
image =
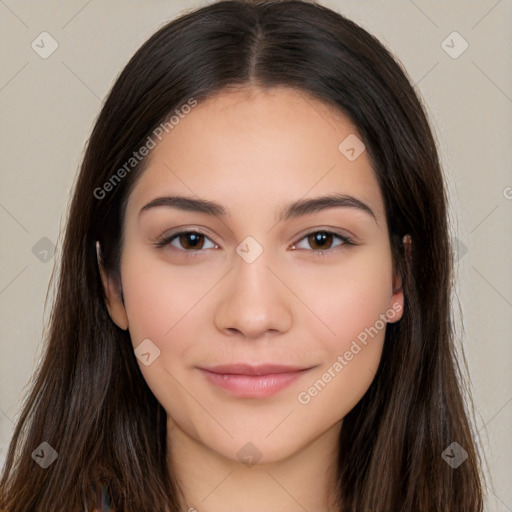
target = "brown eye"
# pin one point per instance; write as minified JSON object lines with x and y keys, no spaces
{"x":191,"y":240}
{"x":186,"y":241}
{"x":322,"y":240}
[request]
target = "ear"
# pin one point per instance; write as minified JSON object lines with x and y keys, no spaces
{"x":396,"y":302}
{"x":114,"y":297}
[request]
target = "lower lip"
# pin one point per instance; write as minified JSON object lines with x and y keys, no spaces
{"x":253,"y":386}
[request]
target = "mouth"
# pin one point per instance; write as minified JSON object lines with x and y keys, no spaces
{"x":253,"y":381}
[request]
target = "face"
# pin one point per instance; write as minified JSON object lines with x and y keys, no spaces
{"x":256,"y":281}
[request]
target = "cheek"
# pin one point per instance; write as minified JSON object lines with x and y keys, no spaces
{"x":351,"y":303}
{"x":158,"y":296}
{"x":347,"y":300}
{"x":164,"y":306}
{"x":168,"y":305}
{"x":351,"y":361}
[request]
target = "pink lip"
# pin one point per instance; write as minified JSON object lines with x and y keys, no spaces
{"x":253,"y":381}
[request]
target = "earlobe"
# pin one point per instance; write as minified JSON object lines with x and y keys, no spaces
{"x":114,"y":300}
{"x":396,"y":303}
{"x":397,"y":299}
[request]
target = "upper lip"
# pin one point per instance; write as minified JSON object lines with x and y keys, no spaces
{"x":253,"y":369}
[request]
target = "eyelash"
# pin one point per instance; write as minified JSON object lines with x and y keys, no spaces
{"x":166,"y":240}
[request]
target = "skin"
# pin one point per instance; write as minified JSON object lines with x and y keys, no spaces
{"x":254,"y":150}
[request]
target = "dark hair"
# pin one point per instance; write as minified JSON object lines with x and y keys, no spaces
{"x":391,"y":442}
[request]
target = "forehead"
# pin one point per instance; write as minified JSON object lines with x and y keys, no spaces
{"x":250,"y":145}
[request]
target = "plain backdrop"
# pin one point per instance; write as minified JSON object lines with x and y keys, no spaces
{"x":49,"y":102}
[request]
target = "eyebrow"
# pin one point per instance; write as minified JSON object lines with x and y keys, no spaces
{"x":291,"y":210}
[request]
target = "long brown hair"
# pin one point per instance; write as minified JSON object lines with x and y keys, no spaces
{"x":89,"y":400}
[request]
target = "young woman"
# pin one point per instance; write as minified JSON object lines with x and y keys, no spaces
{"x":253,"y":307}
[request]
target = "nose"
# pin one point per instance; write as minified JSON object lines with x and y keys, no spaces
{"x":254,"y":300}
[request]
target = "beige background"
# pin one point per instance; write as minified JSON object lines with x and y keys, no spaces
{"x":48,"y":107}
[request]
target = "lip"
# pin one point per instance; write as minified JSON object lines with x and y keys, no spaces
{"x":253,"y":381}
{"x":253,"y":369}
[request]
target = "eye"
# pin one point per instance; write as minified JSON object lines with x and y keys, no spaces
{"x":189,"y":241}
{"x":194,"y":241}
{"x":322,"y":239}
